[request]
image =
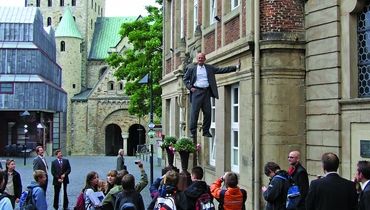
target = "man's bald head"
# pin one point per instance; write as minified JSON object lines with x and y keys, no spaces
{"x":294,"y":157}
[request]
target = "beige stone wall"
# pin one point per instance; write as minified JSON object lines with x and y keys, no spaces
{"x":323,"y":81}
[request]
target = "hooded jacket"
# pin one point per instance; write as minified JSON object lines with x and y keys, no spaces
{"x":192,"y":193}
{"x":38,"y":196}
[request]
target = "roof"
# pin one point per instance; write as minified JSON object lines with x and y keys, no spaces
{"x":17,"y":14}
{"x":106,"y":35}
{"x":82,"y":96}
{"x":67,"y":26}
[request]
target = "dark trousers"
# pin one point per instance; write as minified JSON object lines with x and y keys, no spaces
{"x":200,"y":100}
{"x":57,"y":188}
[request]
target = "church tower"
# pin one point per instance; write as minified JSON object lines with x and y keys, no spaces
{"x":84,"y":14}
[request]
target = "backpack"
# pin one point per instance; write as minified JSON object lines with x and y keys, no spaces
{"x":26,"y":201}
{"x":222,"y":197}
{"x":204,"y":202}
{"x":165,"y":203}
{"x":80,"y":203}
{"x":293,"y":195}
{"x":126,"y":202}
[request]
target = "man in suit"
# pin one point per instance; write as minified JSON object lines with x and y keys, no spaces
{"x":331,"y":191}
{"x":299,"y":176}
{"x":39,"y":163}
{"x":60,"y":169}
{"x":363,"y":176}
{"x":200,"y":79}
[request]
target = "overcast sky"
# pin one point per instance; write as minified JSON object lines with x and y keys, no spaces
{"x":113,"y":7}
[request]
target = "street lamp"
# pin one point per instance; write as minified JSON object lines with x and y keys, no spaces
{"x":42,"y":126}
{"x":147,"y":79}
{"x":25,"y":114}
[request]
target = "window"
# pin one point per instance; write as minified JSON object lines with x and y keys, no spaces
{"x":235,"y":128}
{"x":6,"y":88}
{"x":95,"y":7}
{"x":62,"y":3}
{"x":48,"y":21}
{"x":234,"y":4}
{"x":195,"y":21}
{"x":171,"y":26}
{"x":37,"y":3}
{"x":102,"y":71}
{"x":212,"y":141}
{"x":212,"y":11}
{"x":60,"y":18}
{"x":110,"y":85}
{"x":121,"y":85}
{"x":182,"y":32}
{"x":363,"y":34}
{"x":91,"y":24}
{"x":50,"y":3}
{"x":99,"y":10}
{"x":62,"y":46}
{"x":74,"y":18}
{"x":92,"y":4}
{"x":73,"y":86}
{"x":73,"y":2}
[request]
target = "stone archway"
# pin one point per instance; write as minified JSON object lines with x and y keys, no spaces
{"x":136,"y":136}
{"x":113,"y":139}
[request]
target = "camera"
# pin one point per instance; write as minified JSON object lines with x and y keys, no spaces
{"x":137,"y":162}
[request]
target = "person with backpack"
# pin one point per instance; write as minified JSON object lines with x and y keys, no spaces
{"x":129,"y":198}
{"x":4,"y":200}
{"x":198,"y":195}
{"x":93,"y":197}
{"x":164,"y":192}
{"x":36,"y":190}
{"x":231,"y":198}
{"x":276,"y":192}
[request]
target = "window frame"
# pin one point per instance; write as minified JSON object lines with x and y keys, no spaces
{"x":213,"y":140}
{"x":234,"y":127}
{"x":195,"y":15}
{"x":2,"y":88}
{"x":212,"y":11}
{"x":234,"y":4}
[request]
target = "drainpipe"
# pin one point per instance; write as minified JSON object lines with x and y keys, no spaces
{"x":257,"y":101}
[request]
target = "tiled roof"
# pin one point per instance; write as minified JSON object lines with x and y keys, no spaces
{"x":17,"y":14}
{"x":67,"y":26}
{"x":106,"y":35}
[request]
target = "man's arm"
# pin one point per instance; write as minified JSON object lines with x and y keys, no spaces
{"x":274,"y":189}
{"x":68,"y":168}
{"x":224,"y":70}
{"x":53,"y":169}
{"x":143,"y":179}
{"x":310,"y":198}
{"x":36,"y":164}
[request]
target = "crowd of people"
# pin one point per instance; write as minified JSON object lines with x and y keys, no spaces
{"x":188,"y":191}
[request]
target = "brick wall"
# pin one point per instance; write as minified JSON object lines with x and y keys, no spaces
{"x":232,"y":30}
{"x":209,"y":42}
{"x":168,"y":65}
{"x":282,"y":15}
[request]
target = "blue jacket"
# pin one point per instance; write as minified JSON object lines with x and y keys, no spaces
{"x":38,"y":196}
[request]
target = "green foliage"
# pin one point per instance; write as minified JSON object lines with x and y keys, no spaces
{"x":142,"y":58}
{"x":168,"y":141}
{"x":185,"y":144}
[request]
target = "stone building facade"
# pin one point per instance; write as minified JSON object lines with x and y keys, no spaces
{"x":303,"y":84}
{"x":98,"y":121}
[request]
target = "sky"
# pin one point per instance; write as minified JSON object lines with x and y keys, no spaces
{"x":113,"y":7}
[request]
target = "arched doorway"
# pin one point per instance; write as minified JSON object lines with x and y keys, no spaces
{"x":136,"y":136}
{"x":113,"y":139}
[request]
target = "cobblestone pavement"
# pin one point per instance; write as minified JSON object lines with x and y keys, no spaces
{"x":81,"y":165}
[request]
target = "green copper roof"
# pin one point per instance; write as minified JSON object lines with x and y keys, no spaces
{"x":106,"y":35}
{"x":67,"y":26}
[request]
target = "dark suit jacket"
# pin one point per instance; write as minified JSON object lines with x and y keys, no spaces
{"x":38,"y":164}
{"x":190,"y":76}
{"x":57,"y":171}
{"x":364,"y":201}
{"x":300,"y":178}
{"x":331,"y":192}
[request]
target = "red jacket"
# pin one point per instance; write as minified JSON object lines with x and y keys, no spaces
{"x":233,"y":199}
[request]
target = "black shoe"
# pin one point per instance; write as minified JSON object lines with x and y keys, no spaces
{"x":209,"y":135}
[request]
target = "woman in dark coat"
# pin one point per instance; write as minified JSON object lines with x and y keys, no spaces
{"x":13,"y":183}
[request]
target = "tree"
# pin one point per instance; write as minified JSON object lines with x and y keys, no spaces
{"x":144,"y":57}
